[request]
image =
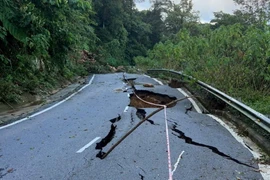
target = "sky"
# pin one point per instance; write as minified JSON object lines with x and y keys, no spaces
{"x":206,"y":7}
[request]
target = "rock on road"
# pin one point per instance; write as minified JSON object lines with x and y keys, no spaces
{"x":60,"y":143}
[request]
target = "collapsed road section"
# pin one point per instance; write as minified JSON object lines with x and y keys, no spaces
{"x":138,"y":100}
{"x":97,"y":111}
{"x":139,"y":92}
{"x":135,"y":101}
{"x":149,"y":96}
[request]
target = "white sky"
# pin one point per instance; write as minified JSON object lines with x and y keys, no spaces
{"x":206,"y":7}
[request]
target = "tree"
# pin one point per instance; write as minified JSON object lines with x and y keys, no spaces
{"x":180,"y":16}
{"x":256,"y":11}
{"x":110,"y":29}
{"x":138,"y":36}
{"x":154,"y":19}
{"x":226,"y":19}
{"x":122,"y":32}
{"x":40,"y":41}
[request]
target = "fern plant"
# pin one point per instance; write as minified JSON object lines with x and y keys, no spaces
{"x":6,"y":14}
{"x":3,"y":33}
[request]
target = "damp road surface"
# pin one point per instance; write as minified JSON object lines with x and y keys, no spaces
{"x":69,"y":140}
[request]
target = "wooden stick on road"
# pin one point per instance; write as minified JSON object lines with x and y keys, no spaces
{"x":135,"y":127}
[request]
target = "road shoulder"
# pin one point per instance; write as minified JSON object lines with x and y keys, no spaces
{"x":12,"y":114}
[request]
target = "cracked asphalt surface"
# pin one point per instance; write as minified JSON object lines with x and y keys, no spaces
{"x":46,"y":146}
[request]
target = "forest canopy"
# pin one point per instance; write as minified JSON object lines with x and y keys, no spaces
{"x":46,"y":41}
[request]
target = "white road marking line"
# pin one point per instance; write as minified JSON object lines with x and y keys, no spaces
{"x":265,"y":172}
{"x":264,"y":168}
{"x":126,"y":109}
{"x":88,"y":145}
{"x":154,"y":79}
{"x":185,"y":94}
{"x":147,"y":76}
{"x":90,"y":82}
{"x":49,"y":108}
{"x":197,"y":108}
{"x":158,"y":81}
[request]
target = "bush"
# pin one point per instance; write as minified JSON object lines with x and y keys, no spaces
{"x":9,"y":92}
{"x":144,"y":62}
{"x":230,"y":58}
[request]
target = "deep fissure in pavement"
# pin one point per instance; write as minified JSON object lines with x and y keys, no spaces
{"x":129,"y":80}
{"x":100,"y":154}
{"x":189,"y":140}
{"x":141,"y":114}
{"x":155,"y":98}
{"x":107,"y":139}
{"x":114,"y":120}
{"x":189,"y":108}
{"x":142,"y":177}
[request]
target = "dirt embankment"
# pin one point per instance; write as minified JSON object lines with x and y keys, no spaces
{"x":32,"y":103}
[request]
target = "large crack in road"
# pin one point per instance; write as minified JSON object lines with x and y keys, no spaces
{"x":135,"y":101}
{"x":136,"y":98}
{"x":188,"y":140}
{"x":149,"y":139}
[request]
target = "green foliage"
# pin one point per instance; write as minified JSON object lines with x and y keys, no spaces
{"x":3,"y":33}
{"x":225,"y":19}
{"x":9,"y":92}
{"x":144,"y":62}
{"x":7,"y":18}
{"x":154,"y":19}
{"x":180,"y":16}
{"x":231,"y":58}
{"x":256,"y":12}
{"x":40,"y":41}
{"x":56,"y":2}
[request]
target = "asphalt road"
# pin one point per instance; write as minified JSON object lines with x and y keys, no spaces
{"x":61,"y":142}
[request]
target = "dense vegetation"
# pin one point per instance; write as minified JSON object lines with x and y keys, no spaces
{"x":232,"y":53}
{"x":45,"y":41}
